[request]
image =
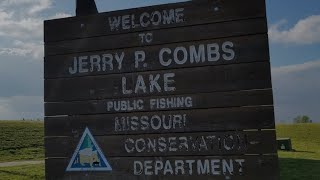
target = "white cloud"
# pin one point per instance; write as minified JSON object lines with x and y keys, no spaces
{"x":297,"y":91}
{"x":14,"y":51}
{"x":4,"y":15}
{"x":23,"y":27}
{"x":40,"y":6}
{"x":59,"y":15}
{"x":306,"y":31}
{"x":20,"y":48}
{"x":287,"y":70}
{"x":32,"y":6}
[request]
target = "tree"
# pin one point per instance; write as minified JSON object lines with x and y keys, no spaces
{"x":302,"y":119}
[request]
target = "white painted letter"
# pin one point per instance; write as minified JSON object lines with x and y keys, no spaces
{"x":168,"y":82}
{"x":215,"y":166}
{"x":230,"y":51}
{"x":140,"y":85}
{"x":95,"y":61}
{"x":119,"y":59}
{"x":140,"y":56}
{"x":75,"y":67}
{"x":138,"y":167}
{"x":227,"y":168}
{"x":124,"y":86}
{"x":156,"y":15}
{"x":83,"y":65}
{"x":190,"y":163}
{"x":168,"y":168}
{"x":142,"y":147}
{"x":162,"y":62}
{"x":213,"y":52}
{"x":185,"y":55}
{"x":240,"y":162}
{"x":179,"y":15}
{"x":142,"y":22}
{"x":179,"y":167}
{"x":203,"y":168}
{"x":154,"y":83}
{"x":125,"y":22}
{"x":148,"y":168}
{"x":197,"y":56}
{"x":114,"y":23}
{"x":168,"y":17}
{"x":129,"y":143}
{"x":107,"y":59}
{"x":157,"y":167}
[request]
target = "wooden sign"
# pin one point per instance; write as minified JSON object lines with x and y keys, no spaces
{"x":171,"y":91}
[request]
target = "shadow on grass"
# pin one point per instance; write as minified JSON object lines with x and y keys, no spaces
{"x":299,"y":169}
{"x":295,"y":151}
{"x":24,"y":175}
{"x":309,"y":152}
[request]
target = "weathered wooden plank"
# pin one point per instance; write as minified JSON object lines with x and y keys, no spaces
{"x":246,"y":49}
{"x":182,"y":114}
{"x":182,"y":14}
{"x":244,"y":168}
{"x":162,"y":36}
{"x":181,"y":144}
{"x":203,"y":120}
{"x":170,"y":82}
{"x":180,"y":102}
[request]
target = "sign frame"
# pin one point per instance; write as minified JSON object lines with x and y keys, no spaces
{"x":120,"y":73}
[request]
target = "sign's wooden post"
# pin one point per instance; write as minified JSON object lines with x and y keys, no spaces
{"x":176,"y":91}
{"x":86,"y":7}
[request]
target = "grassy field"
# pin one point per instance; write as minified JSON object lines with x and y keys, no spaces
{"x":304,"y":162}
{"x":34,"y":172}
{"x":23,"y":140}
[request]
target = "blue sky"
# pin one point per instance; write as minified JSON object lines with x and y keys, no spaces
{"x":294,"y":31}
{"x":292,"y":11}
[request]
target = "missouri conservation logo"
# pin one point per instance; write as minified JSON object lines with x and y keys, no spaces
{"x":88,"y":156}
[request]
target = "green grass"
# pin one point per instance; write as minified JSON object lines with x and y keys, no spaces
{"x":21,"y":140}
{"x":34,"y":172}
{"x":304,"y":162}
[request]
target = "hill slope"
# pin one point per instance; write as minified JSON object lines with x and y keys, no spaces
{"x":21,"y":140}
{"x":304,"y":162}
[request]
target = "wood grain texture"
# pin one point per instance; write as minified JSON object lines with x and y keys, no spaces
{"x":227,"y":124}
{"x":162,"y":36}
{"x":180,"y":144}
{"x":247,"y":49}
{"x":255,"y":167}
{"x":186,"y":81}
{"x":196,"y":12}
{"x":221,"y":119}
{"x":198,"y":101}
